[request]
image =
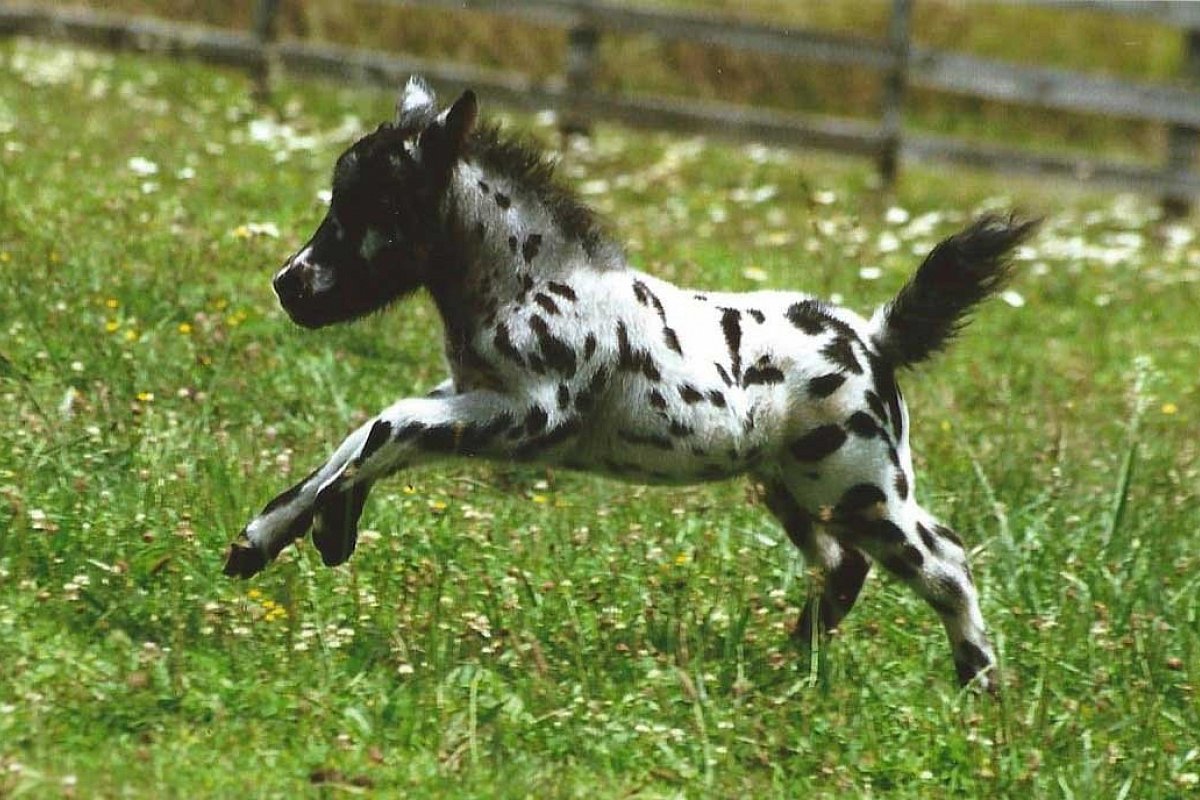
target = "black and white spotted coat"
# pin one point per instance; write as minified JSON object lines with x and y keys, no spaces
{"x":561,"y":354}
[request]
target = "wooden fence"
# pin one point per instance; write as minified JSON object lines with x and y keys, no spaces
{"x":900,"y":62}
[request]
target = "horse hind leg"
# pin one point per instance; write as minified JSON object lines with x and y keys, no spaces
{"x":841,"y":569}
{"x":927,"y":556}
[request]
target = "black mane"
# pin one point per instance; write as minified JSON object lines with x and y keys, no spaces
{"x":522,"y":161}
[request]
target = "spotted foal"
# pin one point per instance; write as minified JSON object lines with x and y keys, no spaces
{"x":562,"y":355}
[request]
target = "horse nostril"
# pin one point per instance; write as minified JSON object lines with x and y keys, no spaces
{"x":288,"y":284}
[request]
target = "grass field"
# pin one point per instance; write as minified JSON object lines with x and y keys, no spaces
{"x":510,"y":632}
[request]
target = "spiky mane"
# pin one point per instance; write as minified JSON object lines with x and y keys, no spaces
{"x":522,"y":161}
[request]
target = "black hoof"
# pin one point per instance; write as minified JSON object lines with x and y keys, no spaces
{"x":244,"y":559}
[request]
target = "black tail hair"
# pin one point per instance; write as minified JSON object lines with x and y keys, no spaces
{"x":959,"y":274}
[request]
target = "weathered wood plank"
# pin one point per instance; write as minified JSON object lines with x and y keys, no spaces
{"x":1177,"y":13}
{"x":936,"y":69}
{"x":708,"y":29}
{"x":144,"y":34}
{"x":895,"y":84}
{"x":1132,"y":177}
{"x":722,"y":120}
{"x":1052,"y":88}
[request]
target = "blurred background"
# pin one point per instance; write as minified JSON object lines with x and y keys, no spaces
{"x":1099,"y":91}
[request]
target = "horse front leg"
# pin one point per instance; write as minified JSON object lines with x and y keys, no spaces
{"x":330,"y":499}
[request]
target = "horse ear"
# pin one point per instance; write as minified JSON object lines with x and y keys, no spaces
{"x":416,"y":106}
{"x":460,"y":121}
{"x":444,"y":141}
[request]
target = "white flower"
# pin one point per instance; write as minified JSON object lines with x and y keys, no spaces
{"x":596,"y":186}
{"x":142,"y":166}
{"x":888,"y":243}
{"x":1012,"y":298}
{"x":896,"y":216}
{"x":870,"y":273}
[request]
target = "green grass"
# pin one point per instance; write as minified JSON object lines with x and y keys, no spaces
{"x":510,"y":632}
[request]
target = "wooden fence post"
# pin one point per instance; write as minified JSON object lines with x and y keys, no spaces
{"x":583,"y":44}
{"x":1183,"y":141}
{"x":265,"y":12}
{"x":895,"y":83}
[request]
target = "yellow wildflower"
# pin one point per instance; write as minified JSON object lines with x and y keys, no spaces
{"x":1170,"y":408}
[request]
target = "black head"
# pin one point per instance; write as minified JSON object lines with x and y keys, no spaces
{"x":380,"y":238}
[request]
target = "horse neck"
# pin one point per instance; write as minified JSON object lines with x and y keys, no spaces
{"x":504,"y":239}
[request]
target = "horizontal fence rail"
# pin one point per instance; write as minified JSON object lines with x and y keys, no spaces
{"x":900,"y":63}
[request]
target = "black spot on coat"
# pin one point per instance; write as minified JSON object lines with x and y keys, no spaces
{"x":562,"y":290}
{"x":672,"y":340}
{"x":927,"y":538}
{"x":818,"y":443}
{"x":948,"y":534}
{"x":731,"y":326}
{"x":504,"y":345}
{"x":558,"y":355}
{"x":859,"y":498}
{"x":863,"y":424}
{"x":759,"y":375}
{"x":902,"y":564}
{"x":824,"y":385}
{"x":841,"y":353}
{"x":529,"y":250}
{"x":633,"y":360}
{"x":381,"y":431}
{"x":809,"y":316}
{"x":548,"y":305}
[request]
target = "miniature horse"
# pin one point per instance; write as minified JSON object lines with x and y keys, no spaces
{"x":562,"y":355}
